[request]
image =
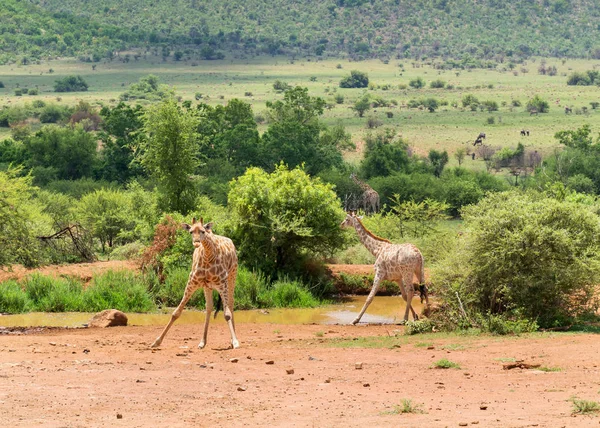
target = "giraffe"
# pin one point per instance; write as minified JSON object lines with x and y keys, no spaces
{"x":369,"y":198}
{"x":394,"y":262}
{"x":214,"y":267}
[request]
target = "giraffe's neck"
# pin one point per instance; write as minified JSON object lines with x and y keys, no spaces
{"x":210,"y":251}
{"x":363,"y":186}
{"x":373,"y":244}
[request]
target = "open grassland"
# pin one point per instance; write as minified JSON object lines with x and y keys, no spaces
{"x":450,"y":127}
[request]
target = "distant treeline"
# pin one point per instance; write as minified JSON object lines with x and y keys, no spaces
{"x":488,"y":29}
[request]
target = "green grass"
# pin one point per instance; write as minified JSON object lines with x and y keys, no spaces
{"x":406,"y":406}
{"x":448,"y":128}
{"x":585,"y":407}
{"x":549,"y":369}
{"x":445,"y":364}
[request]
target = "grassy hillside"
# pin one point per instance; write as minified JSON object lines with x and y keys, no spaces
{"x":468,"y":30}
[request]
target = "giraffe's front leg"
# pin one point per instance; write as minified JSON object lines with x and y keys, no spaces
{"x":208,"y":297}
{"x":370,"y":297}
{"x":228,"y":313}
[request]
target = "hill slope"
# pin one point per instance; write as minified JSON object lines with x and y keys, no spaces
{"x":360,"y":28}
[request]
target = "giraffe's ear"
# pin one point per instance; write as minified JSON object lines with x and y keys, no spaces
{"x":186,"y":226}
{"x":193,"y":220}
{"x":208,"y":226}
{"x":360,"y":217}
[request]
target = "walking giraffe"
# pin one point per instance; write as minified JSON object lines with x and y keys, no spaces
{"x":369,"y":198}
{"x":214,"y":267}
{"x":394,"y":262}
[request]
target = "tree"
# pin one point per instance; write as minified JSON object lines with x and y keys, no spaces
{"x":460,"y":154}
{"x":581,"y":138}
{"x":438,"y":161}
{"x":362,"y":105}
{"x":283,"y":217}
{"x":523,"y":255}
{"x":106,"y":214}
{"x":121,"y":127}
{"x":417,"y":83}
{"x":384,"y":155}
{"x":70,"y":84}
{"x":538,"y":104}
{"x":70,"y":153}
{"x":169,"y":153}
{"x":357,"y":79}
{"x":296,"y":135}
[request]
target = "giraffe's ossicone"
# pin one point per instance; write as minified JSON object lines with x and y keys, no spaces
{"x":214,"y":267}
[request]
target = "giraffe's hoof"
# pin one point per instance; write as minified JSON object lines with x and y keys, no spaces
{"x":156,"y":343}
{"x":235,"y":344}
{"x":355,"y":321}
{"x":201,"y":345}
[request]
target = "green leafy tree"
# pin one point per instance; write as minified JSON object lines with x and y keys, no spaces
{"x":147,"y":88}
{"x":362,"y":105}
{"x":106,"y":214}
{"x":438,"y":160}
{"x":581,"y":138}
{"x":169,"y":153}
{"x":121,"y":126}
{"x":70,"y":153}
{"x":538,"y":104}
{"x":384,"y":155}
{"x":296,"y":136}
{"x":523,"y":255}
{"x":417,"y":83}
{"x":70,"y":84}
{"x":284,"y":217}
{"x":357,"y":79}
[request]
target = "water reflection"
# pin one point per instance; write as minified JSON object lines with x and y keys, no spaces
{"x":383,"y":309}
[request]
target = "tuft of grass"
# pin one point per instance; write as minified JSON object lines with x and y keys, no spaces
{"x":289,"y":294}
{"x":250,"y":288}
{"x":584,"y":407}
{"x":549,"y":369}
{"x":319,"y":334}
{"x":13,"y":299}
{"x":406,"y":406}
{"x":418,"y":327}
{"x":423,"y":344}
{"x":376,"y":342}
{"x":445,"y":364}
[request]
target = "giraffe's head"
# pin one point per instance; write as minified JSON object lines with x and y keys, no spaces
{"x":198,"y":230}
{"x":350,"y":220}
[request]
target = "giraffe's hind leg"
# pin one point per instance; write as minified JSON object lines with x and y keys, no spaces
{"x":408,"y":290}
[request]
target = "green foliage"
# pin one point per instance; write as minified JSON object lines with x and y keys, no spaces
{"x":585,"y":407}
{"x":538,"y":104}
{"x":419,"y":327}
{"x":169,"y":153}
{"x":296,"y":136}
{"x":357,"y":79}
{"x":18,"y":214}
{"x":282,"y":216}
{"x":362,"y":105}
{"x":280,"y":86}
{"x":417,"y":83}
{"x":522,"y":255}
{"x":289,"y":294}
{"x":121,"y":290}
{"x":147,"y":88}
{"x":438,"y":161}
{"x":437,"y":84}
{"x":469,"y":100}
{"x":13,"y":299}
{"x":67,"y":153}
{"x":445,"y":364}
{"x":384,"y":155}
{"x":590,"y":77}
{"x":70,"y":84}
{"x":417,"y":218}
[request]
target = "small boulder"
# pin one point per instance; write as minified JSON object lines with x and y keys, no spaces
{"x":108,"y":318}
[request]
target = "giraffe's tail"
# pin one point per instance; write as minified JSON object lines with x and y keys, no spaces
{"x":422,"y":287}
{"x":218,"y":304}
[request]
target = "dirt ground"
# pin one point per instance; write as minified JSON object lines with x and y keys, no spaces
{"x":292,"y":375}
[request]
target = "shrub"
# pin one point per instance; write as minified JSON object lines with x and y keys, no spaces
{"x":525,"y":255}
{"x":250,"y":289}
{"x":357,"y":79}
{"x":417,"y":83}
{"x":70,"y":84}
{"x":437,"y":84}
{"x":539,"y":104}
{"x":469,"y":100}
{"x":120,"y":290}
{"x":170,"y":292}
{"x":289,"y":294}
{"x":13,"y":300}
{"x":419,"y":327}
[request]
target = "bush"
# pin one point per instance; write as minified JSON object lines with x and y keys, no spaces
{"x":437,"y":84}
{"x":538,"y":104}
{"x":70,"y":84}
{"x":250,"y":289}
{"x":357,"y":79}
{"x":289,"y":294}
{"x":417,"y":83}
{"x":525,"y":256}
{"x":120,"y":290}
{"x":587,"y":78}
{"x":13,"y":300}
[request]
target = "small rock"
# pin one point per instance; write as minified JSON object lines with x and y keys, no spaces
{"x":119,"y":416}
{"x":86,"y":351}
{"x":233,"y":360}
{"x":483,"y":407}
{"x":463,"y":424}
{"x":366,"y":385}
{"x":358,"y":366}
{"x":270,"y":362}
{"x":52,"y":343}
{"x":431,"y":347}
{"x":474,"y":422}
{"x":140,"y":381}
{"x":289,"y":371}
{"x":242,"y":388}
{"x":328,"y":380}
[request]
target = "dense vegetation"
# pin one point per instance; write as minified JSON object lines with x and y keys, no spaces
{"x":467,"y":31}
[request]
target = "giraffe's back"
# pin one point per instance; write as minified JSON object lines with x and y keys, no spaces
{"x":396,"y":260}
